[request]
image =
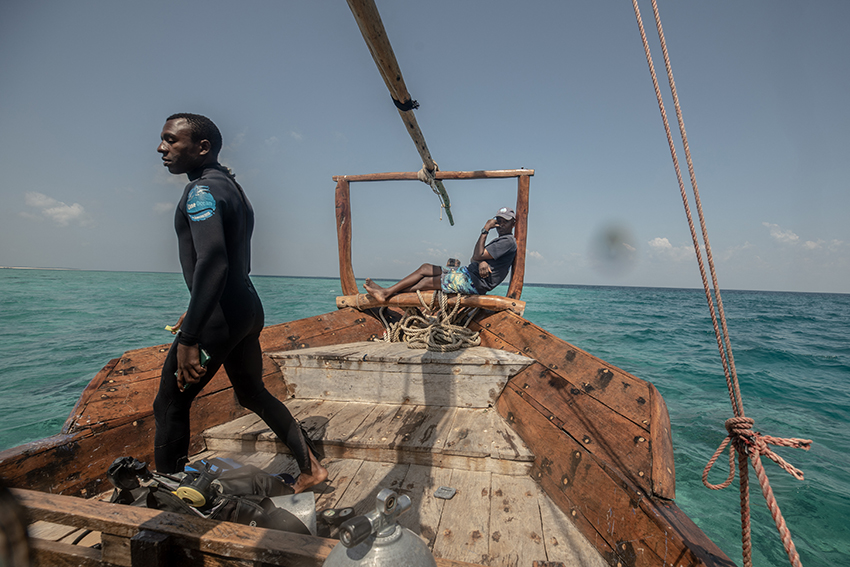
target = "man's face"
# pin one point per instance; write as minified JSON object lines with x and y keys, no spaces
{"x":504,"y":226}
{"x":179,"y":153}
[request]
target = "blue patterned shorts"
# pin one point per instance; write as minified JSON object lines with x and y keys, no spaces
{"x":457,"y":280}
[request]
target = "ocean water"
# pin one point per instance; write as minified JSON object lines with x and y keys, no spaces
{"x":792,"y":352}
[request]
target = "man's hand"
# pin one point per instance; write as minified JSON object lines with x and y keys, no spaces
{"x":490,"y":224}
{"x":176,"y":327}
{"x":189,"y":369}
{"x":484,"y":269}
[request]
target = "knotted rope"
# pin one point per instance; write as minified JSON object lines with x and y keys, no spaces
{"x":742,"y":438}
{"x":429,"y":177}
{"x":432,"y":327}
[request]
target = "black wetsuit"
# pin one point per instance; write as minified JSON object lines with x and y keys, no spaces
{"x":214,"y":222}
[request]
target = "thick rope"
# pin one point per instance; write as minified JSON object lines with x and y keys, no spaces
{"x":432,"y":326}
{"x":743,"y":440}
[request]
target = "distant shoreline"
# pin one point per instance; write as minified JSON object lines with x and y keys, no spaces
{"x":527,"y":284}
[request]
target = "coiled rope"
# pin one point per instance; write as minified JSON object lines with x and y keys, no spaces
{"x":433,"y":327}
{"x":748,"y":444}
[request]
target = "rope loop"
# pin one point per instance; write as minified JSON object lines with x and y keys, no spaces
{"x":433,"y":326}
{"x":752,"y":444}
{"x":428,"y":176}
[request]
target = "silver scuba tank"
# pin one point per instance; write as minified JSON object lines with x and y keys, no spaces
{"x":375,"y":539}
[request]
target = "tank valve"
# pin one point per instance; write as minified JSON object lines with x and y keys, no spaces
{"x":376,"y":538}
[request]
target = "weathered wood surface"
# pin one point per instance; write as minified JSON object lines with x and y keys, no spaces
{"x":619,"y":417}
{"x":493,"y":520}
{"x":380,"y":372}
{"x":45,"y":553}
{"x":459,"y":438}
{"x":342,"y":199}
{"x":626,"y":524}
{"x":521,"y":236}
{"x":408,"y":299}
{"x":413,"y":175}
{"x":114,"y":416}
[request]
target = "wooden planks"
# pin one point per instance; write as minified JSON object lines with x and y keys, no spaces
{"x":619,"y":417}
{"x":624,"y":523}
{"x":362,"y":301}
{"x":462,"y":438}
{"x":516,"y":530}
{"x":380,"y":372}
{"x":464,"y":530}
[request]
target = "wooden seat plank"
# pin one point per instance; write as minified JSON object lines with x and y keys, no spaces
{"x":316,"y":408}
{"x":345,"y":422}
{"x":471,"y":433}
{"x":426,"y":428}
{"x":375,"y":427}
{"x":49,"y":531}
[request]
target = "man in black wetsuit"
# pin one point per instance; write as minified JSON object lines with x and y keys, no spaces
{"x":214,"y":222}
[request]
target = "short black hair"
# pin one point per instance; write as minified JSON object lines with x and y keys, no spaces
{"x":201,"y":128}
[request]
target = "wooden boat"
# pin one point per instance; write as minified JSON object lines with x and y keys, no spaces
{"x":557,"y":456}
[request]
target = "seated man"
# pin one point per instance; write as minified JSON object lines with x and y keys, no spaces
{"x":489,"y":267}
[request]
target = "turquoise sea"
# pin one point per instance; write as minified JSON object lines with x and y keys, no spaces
{"x":792,"y":351}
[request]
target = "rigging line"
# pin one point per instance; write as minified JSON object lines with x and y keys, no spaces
{"x":748,"y":444}
{"x":703,"y":225}
{"x":375,"y":35}
{"x":734,"y":395}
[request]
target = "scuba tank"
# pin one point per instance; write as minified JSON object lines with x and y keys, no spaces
{"x":376,"y":539}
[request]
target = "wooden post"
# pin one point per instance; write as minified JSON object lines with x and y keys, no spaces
{"x":149,"y":549}
{"x":343,"y":234}
{"x":521,"y":235}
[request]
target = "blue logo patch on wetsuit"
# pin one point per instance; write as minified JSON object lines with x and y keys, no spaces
{"x":200,"y":204}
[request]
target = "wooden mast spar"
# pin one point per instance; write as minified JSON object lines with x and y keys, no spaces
{"x":370,"y":24}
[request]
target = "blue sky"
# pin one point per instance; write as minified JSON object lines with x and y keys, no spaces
{"x":560,"y":87}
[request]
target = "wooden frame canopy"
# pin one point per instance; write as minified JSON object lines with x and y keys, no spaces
{"x":343,"y":218}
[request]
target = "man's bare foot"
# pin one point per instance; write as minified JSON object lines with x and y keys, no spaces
{"x":375,"y":290}
{"x":317,"y":474}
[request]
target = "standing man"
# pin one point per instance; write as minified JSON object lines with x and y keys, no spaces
{"x":214,"y":222}
{"x":489,"y":266}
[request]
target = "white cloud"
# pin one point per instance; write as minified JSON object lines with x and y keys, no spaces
{"x":273,"y":141}
{"x":161,"y":208}
{"x":536,"y":255}
{"x":54,"y":210}
{"x":780,"y":235}
{"x":661,"y":247}
{"x":297,"y":135}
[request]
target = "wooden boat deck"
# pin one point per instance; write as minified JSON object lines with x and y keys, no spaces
{"x":499,"y":515}
{"x":600,"y":439}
